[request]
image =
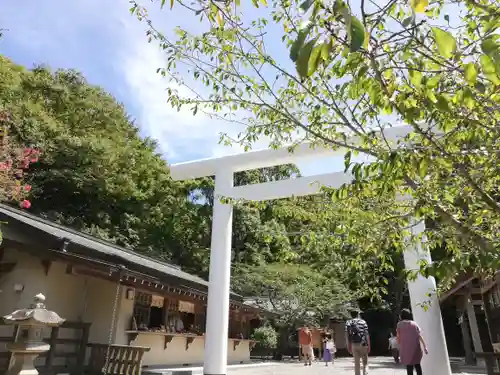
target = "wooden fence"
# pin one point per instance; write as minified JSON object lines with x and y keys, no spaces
{"x":73,"y":360}
{"x":104,"y":358}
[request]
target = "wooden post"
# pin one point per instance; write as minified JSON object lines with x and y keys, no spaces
{"x":49,"y":361}
{"x":15,"y":336}
{"x":82,"y":349}
{"x":464,"y":326}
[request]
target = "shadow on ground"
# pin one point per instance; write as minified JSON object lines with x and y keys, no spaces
{"x":455,"y":367}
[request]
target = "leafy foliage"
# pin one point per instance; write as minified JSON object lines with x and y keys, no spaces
{"x":359,"y":70}
{"x":98,"y":175}
{"x":266,"y":337}
{"x":297,"y":293}
{"x":14,"y":161}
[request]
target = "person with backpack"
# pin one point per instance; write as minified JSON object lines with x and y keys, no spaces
{"x":358,"y":342}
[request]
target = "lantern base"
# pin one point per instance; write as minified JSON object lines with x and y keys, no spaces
{"x":23,"y":364}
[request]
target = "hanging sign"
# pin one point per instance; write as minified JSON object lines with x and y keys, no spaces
{"x":157,"y":301}
{"x":186,"y":307}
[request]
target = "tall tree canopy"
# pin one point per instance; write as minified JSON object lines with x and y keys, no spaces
{"x":98,"y":175}
{"x":355,"y":68}
{"x":298,"y":293}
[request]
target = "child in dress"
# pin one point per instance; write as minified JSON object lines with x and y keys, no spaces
{"x":329,"y":351}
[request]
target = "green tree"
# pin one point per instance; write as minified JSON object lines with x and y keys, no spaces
{"x":359,"y":68}
{"x":266,"y":337}
{"x":98,"y":175}
{"x":14,"y":161}
{"x":298,"y":293}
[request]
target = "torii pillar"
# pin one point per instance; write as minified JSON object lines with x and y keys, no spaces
{"x":425,"y":305}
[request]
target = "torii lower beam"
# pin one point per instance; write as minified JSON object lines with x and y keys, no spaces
{"x":216,"y":337}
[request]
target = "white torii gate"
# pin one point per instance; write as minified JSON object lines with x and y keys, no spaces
{"x":223,"y":168}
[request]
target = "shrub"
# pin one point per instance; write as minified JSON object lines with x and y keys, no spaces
{"x":266,"y":337}
{"x":14,"y":160}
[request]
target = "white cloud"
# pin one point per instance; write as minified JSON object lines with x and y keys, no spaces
{"x":180,"y":133}
{"x":94,"y":35}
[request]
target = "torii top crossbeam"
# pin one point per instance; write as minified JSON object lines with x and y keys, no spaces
{"x":266,"y":157}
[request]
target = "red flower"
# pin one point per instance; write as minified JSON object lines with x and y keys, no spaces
{"x":28,"y":151}
{"x":4,"y":166}
{"x":27,"y":188}
{"x":25,"y":204}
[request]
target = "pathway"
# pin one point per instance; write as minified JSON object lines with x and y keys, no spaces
{"x":343,"y":366}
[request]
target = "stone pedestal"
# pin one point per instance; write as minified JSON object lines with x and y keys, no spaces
{"x":29,"y":346}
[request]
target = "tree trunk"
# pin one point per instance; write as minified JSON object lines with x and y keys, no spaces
{"x":401,"y":286}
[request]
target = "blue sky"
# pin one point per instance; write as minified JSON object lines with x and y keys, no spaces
{"x":102,"y":40}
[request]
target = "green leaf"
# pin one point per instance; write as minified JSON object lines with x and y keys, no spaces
{"x":431,"y":96}
{"x":470,"y":73}
{"x":220,"y":19}
{"x":489,"y":70}
{"x":306,"y":5}
{"x":347,"y":160}
{"x":171,"y":3}
{"x":433,"y":82}
{"x":409,"y":20}
{"x":442,"y":103}
{"x":416,"y":78}
{"x":446,"y":43}
{"x":356,"y":34}
{"x":299,"y":42}
{"x":419,"y":5}
{"x":489,"y":46}
{"x":314,"y":59}
{"x":325,"y":50}
{"x":479,"y":86}
{"x":264,"y":2}
{"x":303,"y":59}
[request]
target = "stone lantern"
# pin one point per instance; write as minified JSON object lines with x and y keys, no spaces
{"x":29,"y":343}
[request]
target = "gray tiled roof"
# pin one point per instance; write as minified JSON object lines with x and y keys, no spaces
{"x":98,"y":245}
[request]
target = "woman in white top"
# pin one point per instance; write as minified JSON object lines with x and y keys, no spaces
{"x":329,"y":349}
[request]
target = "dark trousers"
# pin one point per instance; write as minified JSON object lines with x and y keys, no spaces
{"x":418,"y":369}
{"x":395,"y":355}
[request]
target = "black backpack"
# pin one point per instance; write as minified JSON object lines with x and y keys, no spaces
{"x":354,"y":333}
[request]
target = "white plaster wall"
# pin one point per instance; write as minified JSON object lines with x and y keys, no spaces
{"x":100,"y":299}
{"x":176,"y":353}
{"x":60,"y":289}
{"x":89,"y":299}
{"x":73,"y":297}
{"x":63,"y":291}
{"x":124,"y":318}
